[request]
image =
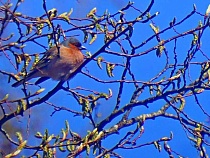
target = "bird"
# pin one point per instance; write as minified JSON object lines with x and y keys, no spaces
{"x":57,"y":63}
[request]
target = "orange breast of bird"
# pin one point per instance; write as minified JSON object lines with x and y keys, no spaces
{"x":64,"y":63}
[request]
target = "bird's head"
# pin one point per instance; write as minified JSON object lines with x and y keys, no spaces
{"x":74,"y":42}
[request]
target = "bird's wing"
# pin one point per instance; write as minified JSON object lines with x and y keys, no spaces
{"x":48,"y":56}
{"x":42,"y":64}
{"x":41,"y":79}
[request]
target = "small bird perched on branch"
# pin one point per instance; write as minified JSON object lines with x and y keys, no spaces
{"x":58,"y":62}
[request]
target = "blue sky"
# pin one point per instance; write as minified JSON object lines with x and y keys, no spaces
{"x":144,"y":68}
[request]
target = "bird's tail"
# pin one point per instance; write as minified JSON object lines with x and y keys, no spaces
{"x":16,"y":84}
{"x":31,"y":75}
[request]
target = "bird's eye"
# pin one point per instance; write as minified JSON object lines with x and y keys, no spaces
{"x":77,"y":44}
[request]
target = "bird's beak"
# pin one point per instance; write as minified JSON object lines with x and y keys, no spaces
{"x":82,"y":48}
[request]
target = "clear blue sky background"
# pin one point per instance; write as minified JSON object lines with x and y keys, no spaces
{"x":148,"y":66}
